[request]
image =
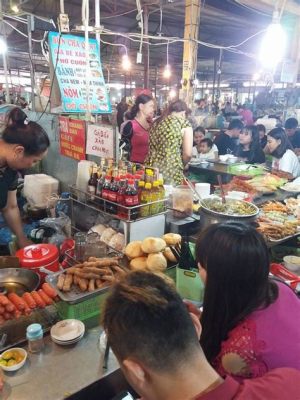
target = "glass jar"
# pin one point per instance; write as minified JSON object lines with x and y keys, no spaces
{"x":80,"y":243}
{"x":34,"y":335}
{"x":94,"y":247}
{"x":182,"y":202}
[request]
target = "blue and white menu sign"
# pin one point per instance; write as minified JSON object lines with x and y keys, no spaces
{"x":71,"y":71}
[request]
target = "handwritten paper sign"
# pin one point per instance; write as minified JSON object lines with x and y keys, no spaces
{"x":100,"y":141}
{"x":70,"y":63}
{"x":72,"y":138}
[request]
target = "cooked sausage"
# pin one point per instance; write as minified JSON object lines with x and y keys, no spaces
{"x":29,"y":300}
{"x":7,"y":316}
{"x":37,"y":298}
{"x":49,"y":290}
{"x":17,"y":301}
{"x":45,"y":297}
{"x":9,"y":306}
{"x":83,"y":284}
{"x":3,"y":300}
{"x":91,"y":287}
{"x":118,"y":269}
{"x":67,"y":283}
{"x":60,"y":281}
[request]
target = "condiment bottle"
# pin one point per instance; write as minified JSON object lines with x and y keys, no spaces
{"x":106,"y":187}
{"x":141,"y":174}
{"x":34,"y":335}
{"x":145,"y":199}
{"x":99,"y":189}
{"x":131,"y":198}
{"x":162,"y":194}
{"x":121,"y":197}
{"x":92,"y":184}
{"x":100,"y":184}
{"x":149,"y":176}
{"x":155,"y":196}
{"x":141,"y":187}
{"x":136,"y":178}
{"x":113,"y":195}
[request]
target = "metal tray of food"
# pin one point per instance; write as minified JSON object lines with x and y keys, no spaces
{"x":284,"y":239}
{"x":75,"y":294}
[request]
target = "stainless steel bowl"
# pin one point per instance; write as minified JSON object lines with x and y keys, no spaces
{"x":18,"y":280}
{"x":208,"y":217}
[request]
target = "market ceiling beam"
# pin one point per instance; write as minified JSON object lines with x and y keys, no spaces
{"x":190,"y":48}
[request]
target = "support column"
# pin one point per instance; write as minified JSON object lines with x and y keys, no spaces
{"x":146,"y":48}
{"x":191,"y":31}
{"x":214,"y":80}
{"x":30,"y":27}
{"x":155,"y":84}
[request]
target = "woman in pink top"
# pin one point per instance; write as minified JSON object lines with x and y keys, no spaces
{"x":250,"y":323}
{"x":135,"y":133}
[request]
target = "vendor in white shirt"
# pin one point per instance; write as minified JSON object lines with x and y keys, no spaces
{"x":284,"y":158}
{"x":199,"y":151}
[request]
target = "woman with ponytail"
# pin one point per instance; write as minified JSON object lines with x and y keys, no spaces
{"x":23,"y":143}
{"x":135,"y":133}
{"x":171,"y":143}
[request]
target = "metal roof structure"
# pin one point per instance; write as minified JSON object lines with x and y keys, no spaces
{"x":222,"y":23}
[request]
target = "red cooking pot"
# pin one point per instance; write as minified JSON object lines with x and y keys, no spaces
{"x":42,"y":258}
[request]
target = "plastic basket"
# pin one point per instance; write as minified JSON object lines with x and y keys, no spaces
{"x":84,"y":310}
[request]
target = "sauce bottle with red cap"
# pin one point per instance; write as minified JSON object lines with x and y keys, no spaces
{"x":131,"y":199}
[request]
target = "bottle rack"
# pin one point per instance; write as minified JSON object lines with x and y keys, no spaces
{"x":135,"y":227}
{"x":127,"y":214}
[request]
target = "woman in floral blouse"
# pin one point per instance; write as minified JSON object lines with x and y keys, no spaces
{"x":171,"y":143}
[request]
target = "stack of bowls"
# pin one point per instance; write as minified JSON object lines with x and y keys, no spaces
{"x":67,"y":332}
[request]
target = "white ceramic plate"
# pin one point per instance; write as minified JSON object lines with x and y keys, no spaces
{"x":67,"y":330}
{"x":68,"y":343}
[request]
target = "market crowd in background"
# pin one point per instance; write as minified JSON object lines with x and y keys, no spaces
{"x":171,"y":138}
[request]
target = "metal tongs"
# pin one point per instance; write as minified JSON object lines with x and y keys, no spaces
{"x":191,"y":186}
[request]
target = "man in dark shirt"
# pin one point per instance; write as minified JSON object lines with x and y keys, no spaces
{"x":156,"y":342}
{"x":225,"y":142}
{"x":291,"y":125}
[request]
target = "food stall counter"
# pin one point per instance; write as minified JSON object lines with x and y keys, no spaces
{"x":59,"y":371}
{"x":217,"y":168}
{"x":278,"y":195}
